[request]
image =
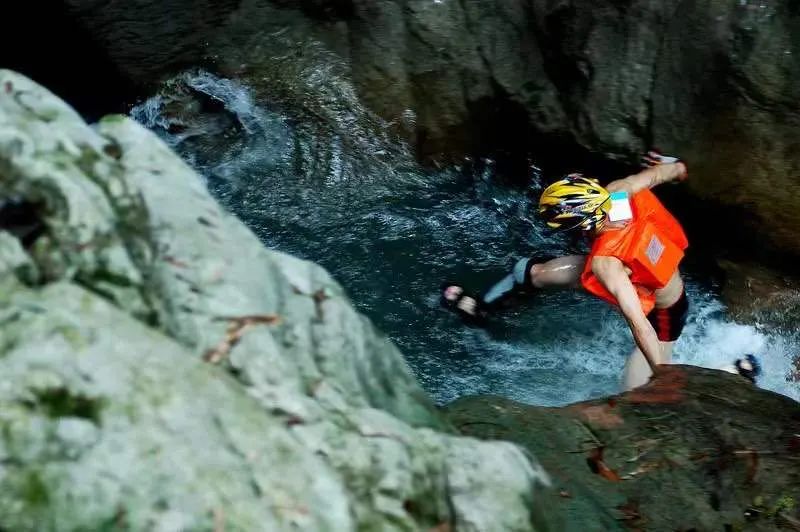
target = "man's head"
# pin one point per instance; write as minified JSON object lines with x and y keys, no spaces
{"x":575,"y":202}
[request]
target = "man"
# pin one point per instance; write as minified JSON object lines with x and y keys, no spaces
{"x":633,"y":263}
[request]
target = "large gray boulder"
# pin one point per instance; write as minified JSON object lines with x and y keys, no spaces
{"x":161,"y":370}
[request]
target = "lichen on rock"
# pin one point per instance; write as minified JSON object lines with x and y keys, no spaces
{"x":161,"y":370}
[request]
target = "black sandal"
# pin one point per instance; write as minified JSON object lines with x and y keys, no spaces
{"x":454,"y":302}
{"x":749,"y":367}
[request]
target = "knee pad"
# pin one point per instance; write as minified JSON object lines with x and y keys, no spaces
{"x":518,"y":280}
{"x":522,"y":273}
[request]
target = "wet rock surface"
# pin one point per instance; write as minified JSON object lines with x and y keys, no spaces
{"x":695,"y":449}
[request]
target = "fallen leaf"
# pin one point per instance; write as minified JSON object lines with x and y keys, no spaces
{"x":294,"y":420}
{"x":175,"y":262}
{"x":597,"y":466}
{"x":752,"y":466}
{"x":236,"y":329}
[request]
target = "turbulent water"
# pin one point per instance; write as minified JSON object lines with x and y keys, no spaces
{"x":391,"y":234}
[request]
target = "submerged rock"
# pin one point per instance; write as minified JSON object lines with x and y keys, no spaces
{"x":694,"y":449}
{"x":161,"y":370}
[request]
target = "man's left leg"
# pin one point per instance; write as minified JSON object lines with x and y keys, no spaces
{"x":668,"y":324}
{"x":637,"y":371}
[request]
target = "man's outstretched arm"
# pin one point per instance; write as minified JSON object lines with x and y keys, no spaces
{"x":611,"y":273}
{"x":649,"y":178}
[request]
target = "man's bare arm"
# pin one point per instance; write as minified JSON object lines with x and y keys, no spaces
{"x":611,"y":273}
{"x":649,"y":178}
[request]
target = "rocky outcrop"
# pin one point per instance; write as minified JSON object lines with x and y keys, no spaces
{"x":692,"y":450}
{"x":161,"y":370}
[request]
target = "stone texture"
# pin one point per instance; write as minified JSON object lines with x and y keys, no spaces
{"x":692,"y":450}
{"x":146,"y":37}
{"x":713,"y":82}
{"x":161,"y":370}
{"x":755,"y":294}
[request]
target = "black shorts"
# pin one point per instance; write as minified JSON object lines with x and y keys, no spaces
{"x":669,"y":322}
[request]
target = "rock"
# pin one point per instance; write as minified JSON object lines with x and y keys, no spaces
{"x":711,"y":82}
{"x":724,"y":101}
{"x":107,"y":421}
{"x":690,"y":450}
{"x":161,"y":370}
{"x":756,"y":294}
{"x":149,"y":38}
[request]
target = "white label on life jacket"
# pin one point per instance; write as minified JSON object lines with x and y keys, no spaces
{"x":620,"y":207}
{"x":654,"y":250}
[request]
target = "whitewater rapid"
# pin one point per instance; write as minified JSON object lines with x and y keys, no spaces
{"x":390,"y":233}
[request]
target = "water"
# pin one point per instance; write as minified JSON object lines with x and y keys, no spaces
{"x":391,"y":233}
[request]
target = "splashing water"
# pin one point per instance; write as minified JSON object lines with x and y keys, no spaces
{"x":391,"y":233}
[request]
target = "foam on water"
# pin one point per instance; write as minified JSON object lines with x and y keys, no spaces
{"x":712,"y":341}
{"x":390,"y":234}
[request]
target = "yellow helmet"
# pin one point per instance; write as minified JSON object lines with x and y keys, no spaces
{"x":575,"y":202}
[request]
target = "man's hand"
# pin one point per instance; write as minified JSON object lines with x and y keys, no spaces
{"x":658,"y":169}
{"x":655,"y":158}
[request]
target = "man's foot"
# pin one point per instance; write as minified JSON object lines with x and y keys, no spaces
{"x":468,"y":307}
{"x":748,"y":367}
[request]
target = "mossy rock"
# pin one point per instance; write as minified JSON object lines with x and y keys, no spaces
{"x":694,"y":449}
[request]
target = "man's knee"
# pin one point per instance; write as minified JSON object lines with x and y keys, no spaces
{"x":556,"y":272}
{"x":523,"y":272}
{"x":528,"y":272}
{"x":535,"y":274}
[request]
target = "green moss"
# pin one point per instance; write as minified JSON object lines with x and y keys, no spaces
{"x":61,"y":402}
{"x":87,"y":160}
{"x":33,"y":490}
{"x":784,"y":504}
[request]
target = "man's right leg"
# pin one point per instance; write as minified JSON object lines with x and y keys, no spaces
{"x":637,"y":371}
{"x":527,"y":275}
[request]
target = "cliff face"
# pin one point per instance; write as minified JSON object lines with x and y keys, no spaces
{"x":160,"y":369}
{"x":713,"y":82}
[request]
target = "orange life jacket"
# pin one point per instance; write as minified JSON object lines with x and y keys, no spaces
{"x":651,"y":245}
